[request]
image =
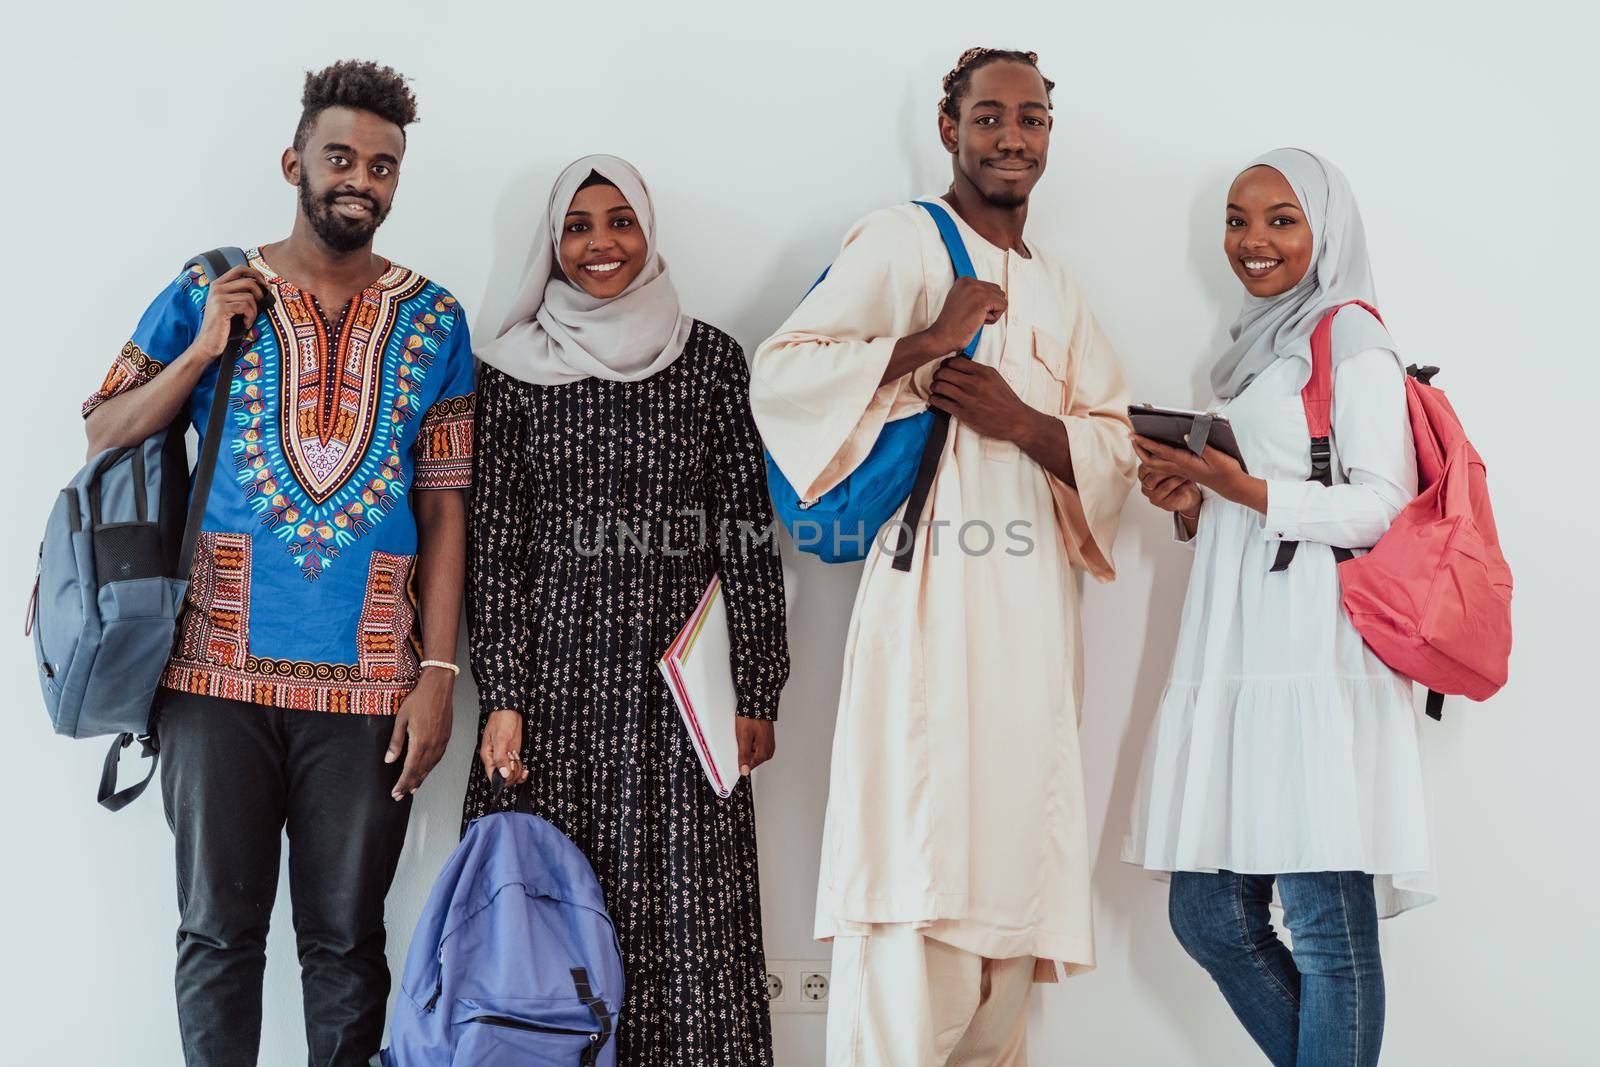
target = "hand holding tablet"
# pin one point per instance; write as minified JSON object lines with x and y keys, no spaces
{"x":1193,"y":430}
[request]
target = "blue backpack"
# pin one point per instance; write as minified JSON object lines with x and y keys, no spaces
{"x":514,"y":962}
{"x":113,"y":570}
{"x":841,"y":525}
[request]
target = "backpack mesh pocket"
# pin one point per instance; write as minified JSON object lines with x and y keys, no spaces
{"x":128,"y":550}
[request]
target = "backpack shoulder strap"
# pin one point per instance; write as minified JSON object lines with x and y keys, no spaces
{"x":939,"y":428}
{"x":1317,"y":396}
{"x":216,"y":263}
{"x":598,"y":1009}
{"x":1317,"y":399}
{"x":957,"y":249}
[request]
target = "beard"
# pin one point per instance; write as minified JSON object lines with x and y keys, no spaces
{"x":336,"y":231}
{"x":1005,"y":196}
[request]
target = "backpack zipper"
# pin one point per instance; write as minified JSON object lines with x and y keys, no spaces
{"x":33,"y":603}
{"x":438,"y":988}
{"x":518,"y":1024}
{"x":438,"y":985}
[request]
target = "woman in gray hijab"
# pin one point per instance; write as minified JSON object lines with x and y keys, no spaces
{"x":1282,"y":764}
{"x":618,"y":471}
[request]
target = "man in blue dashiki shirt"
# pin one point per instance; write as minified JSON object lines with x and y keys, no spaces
{"x":317,"y":647}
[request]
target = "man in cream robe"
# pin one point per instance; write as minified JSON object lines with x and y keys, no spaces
{"x":955,"y":865}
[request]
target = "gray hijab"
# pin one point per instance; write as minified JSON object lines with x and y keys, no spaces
{"x":1279,"y":327}
{"x":556,"y":332}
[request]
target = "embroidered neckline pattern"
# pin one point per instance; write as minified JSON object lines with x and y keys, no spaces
{"x":319,"y":412}
{"x":330,"y":376}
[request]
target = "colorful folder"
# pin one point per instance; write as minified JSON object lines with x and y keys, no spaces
{"x":699,"y":673}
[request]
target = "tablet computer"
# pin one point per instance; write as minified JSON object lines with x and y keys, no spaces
{"x":1174,"y":426}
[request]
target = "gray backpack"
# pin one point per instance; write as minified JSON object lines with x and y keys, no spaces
{"x":113,"y":571}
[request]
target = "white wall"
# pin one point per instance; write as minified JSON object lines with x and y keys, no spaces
{"x":763,"y":134}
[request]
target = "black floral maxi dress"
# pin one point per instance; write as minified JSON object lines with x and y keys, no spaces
{"x":568,"y":620}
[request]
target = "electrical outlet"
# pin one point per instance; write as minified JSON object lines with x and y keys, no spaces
{"x":798,"y":985}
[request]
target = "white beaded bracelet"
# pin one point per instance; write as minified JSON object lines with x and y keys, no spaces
{"x":451,"y":667}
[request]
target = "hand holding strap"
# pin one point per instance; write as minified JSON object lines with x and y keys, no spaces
{"x":521,"y":801}
{"x":216,"y":262}
{"x":939,"y":428}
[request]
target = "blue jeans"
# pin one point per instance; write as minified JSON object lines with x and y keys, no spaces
{"x":1318,"y":1006}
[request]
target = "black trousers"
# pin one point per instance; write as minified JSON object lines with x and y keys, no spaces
{"x":234,"y":776}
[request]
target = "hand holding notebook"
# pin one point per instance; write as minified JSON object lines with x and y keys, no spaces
{"x":699,"y":673}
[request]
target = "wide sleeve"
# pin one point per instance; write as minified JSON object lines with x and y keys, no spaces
{"x":1098,"y":437}
{"x":740,"y":517}
{"x":444,"y":446}
{"x":498,"y":545}
{"x":815,"y":390}
{"x":165,"y":331}
{"x":1372,"y":437}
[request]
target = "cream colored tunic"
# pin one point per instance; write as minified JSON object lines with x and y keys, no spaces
{"x":956,"y":795}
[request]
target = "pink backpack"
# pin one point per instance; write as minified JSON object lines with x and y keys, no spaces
{"x":1433,"y":597}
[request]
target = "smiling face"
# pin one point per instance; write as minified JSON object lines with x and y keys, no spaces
{"x":602,"y":244}
{"x":1002,"y":139}
{"x":1267,"y":238}
{"x":347,"y":174}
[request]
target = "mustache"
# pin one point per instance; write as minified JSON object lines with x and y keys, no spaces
{"x":334,"y":196}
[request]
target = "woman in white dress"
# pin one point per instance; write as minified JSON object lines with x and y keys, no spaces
{"x":1284,"y":754}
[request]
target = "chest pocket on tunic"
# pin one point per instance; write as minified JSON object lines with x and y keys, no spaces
{"x":1041,"y":383}
{"x":1047,"y":373}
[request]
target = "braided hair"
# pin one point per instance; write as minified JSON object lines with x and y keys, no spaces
{"x":959,"y":80}
{"x":357,"y":84}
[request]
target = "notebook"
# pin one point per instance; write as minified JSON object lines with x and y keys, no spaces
{"x":699,"y":673}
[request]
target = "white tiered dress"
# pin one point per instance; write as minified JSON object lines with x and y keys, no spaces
{"x":1282,"y":743}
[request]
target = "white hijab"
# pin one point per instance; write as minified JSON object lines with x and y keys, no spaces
{"x":1279,"y":327}
{"x":556,"y":332}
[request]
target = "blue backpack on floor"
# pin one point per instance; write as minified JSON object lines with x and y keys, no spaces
{"x":113,"y":569}
{"x":841,"y":525}
{"x":514,"y":962}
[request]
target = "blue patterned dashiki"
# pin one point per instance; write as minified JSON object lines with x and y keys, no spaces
{"x":301,"y":595}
